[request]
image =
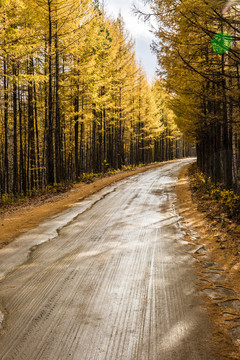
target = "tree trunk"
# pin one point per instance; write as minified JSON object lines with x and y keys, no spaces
{"x":58,"y":139}
{"x":6,"y":166}
{"x":31,"y":132}
{"x":76,"y":132}
{"x":50,"y":153}
{"x":15,"y":145}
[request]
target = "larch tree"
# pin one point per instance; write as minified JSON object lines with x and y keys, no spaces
{"x":201,"y":71}
{"x":74,"y":100}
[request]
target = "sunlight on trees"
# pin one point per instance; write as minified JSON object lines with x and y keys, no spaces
{"x":73,"y":98}
{"x":198,"y":51}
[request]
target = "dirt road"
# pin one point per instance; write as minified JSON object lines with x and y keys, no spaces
{"x":114,"y":282}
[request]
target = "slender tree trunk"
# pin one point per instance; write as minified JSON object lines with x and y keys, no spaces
{"x":58,"y":140}
{"x":23,"y":185}
{"x":15,"y":138}
{"x":227,"y":133}
{"x":39,"y":178}
{"x":94,"y":141}
{"x":50,"y":153}
{"x":76,"y":132}
{"x":31,"y":132}
{"x":6,"y":166}
{"x":82,"y":143}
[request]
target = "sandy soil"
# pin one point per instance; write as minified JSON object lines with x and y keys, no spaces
{"x":29,"y":215}
{"x":218,"y":267}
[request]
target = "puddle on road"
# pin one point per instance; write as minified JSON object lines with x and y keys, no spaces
{"x":17,"y":252}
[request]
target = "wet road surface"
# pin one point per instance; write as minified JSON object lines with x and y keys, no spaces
{"x":116,"y":282}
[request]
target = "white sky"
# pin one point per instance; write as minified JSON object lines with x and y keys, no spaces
{"x":138,"y":30}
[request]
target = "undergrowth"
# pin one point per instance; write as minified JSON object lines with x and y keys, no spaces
{"x":13,"y":199}
{"x":227,"y":200}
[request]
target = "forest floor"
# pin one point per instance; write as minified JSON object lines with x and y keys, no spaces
{"x":218,"y":237}
{"x":16,"y":219}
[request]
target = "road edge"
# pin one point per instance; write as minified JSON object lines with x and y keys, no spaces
{"x":26,"y":218}
{"x":195,"y":222}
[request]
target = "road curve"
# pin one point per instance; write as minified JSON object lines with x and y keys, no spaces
{"x":116,"y":283}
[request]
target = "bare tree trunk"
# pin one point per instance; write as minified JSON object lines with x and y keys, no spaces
{"x":39,"y":178}
{"x":31,"y":132}
{"x":50,"y":150}
{"x":6,"y":165}
{"x":58,"y":139}
{"x":15,"y":145}
{"x":76,"y":132}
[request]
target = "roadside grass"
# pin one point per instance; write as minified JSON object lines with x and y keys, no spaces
{"x":11,"y":200}
{"x":224,"y":200}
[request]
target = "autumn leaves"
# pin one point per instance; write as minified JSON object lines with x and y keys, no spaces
{"x":74,"y":100}
{"x":199,"y":52}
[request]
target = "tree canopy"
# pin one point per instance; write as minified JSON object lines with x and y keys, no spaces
{"x":73,"y":97}
{"x":198,"y":52}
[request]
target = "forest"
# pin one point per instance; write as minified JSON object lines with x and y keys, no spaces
{"x":203,"y":79}
{"x":74,"y":99}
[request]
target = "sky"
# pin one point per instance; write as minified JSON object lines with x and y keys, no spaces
{"x":138,"y":30}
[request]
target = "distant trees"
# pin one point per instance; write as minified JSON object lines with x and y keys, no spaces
{"x":204,"y":84}
{"x":73,"y":99}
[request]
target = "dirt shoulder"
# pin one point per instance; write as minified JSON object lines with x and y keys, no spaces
{"x":214,"y":240}
{"x":20,"y":219}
